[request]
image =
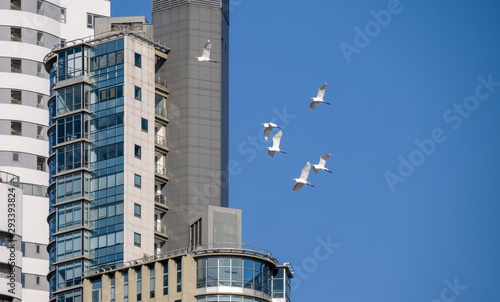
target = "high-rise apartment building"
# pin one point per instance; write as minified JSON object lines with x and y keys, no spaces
{"x":29,"y":29}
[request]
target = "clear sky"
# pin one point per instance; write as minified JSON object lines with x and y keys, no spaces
{"x":411,"y":211}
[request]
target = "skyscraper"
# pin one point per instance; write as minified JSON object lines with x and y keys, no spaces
{"x":138,"y":169}
{"x":29,"y":29}
{"x":198,"y":106}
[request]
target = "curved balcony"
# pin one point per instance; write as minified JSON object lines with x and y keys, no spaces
{"x":10,"y":179}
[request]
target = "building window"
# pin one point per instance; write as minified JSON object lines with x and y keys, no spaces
{"x":137,"y":210}
{"x":15,"y":4}
{"x":137,"y":93}
{"x":125,"y":287}
{"x":90,"y":20}
{"x":139,"y":284}
{"x":137,"y":180}
{"x":23,"y":282}
{"x":39,"y":38}
{"x":39,"y":7}
{"x":144,"y":124}
{"x":15,"y":34}
{"x":96,"y":290}
{"x":15,"y":157}
{"x":152,"y":281}
{"x":138,"y":60}
{"x":38,"y":249}
{"x":37,"y":280}
{"x":39,"y":101}
{"x":16,"y":128}
{"x":40,"y":164}
{"x":137,"y":151}
{"x":195,"y":233}
{"x":179,"y":274}
{"x":15,"y":97}
{"x":165,"y":278}
{"x":39,"y":132}
{"x":15,"y":65}
{"x":137,"y":239}
{"x":112,"y":292}
{"x":23,"y":249}
{"x":63,"y":15}
{"x":40,"y":70}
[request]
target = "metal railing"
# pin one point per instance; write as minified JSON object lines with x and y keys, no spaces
{"x":161,"y":81}
{"x":161,"y":199}
{"x":159,"y":169}
{"x":246,"y":249}
{"x":39,"y":136}
{"x":10,"y":179}
{"x":160,"y":228}
{"x":160,"y":140}
{"x":161,"y":111}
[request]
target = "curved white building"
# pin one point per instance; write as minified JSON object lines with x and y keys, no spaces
{"x":29,"y":29}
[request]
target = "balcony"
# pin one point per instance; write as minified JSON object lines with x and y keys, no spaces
{"x":161,"y":142}
{"x":161,"y":202}
{"x":161,"y":231}
{"x":161,"y":83}
{"x":161,"y":112}
{"x":10,"y":179}
{"x":161,"y":172}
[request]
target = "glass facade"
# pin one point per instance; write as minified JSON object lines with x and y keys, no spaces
{"x":80,"y":198}
{"x":228,"y":298}
{"x":233,"y":271}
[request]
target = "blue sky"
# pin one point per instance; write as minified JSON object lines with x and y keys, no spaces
{"x":411,"y":211}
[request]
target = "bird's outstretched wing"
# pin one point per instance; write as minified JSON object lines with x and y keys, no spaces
{"x":277,"y":139}
{"x":297,"y":186}
{"x":271,"y":153}
{"x":305,"y":171}
{"x":267,"y":131}
{"x":207,"y":49}
{"x":314,"y":169}
{"x":322,"y":160}
{"x":313,"y":104}
{"x":321,"y":91}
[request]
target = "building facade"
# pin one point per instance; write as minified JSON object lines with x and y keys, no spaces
{"x":206,"y":273}
{"x":107,"y":149}
{"x":29,"y":29}
{"x":198,"y":107}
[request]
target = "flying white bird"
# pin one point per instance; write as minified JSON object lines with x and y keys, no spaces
{"x":269,"y":127}
{"x":319,"y":98}
{"x":207,"y":49}
{"x":303,"y":178}
{"x":276,"y":144}
{"x":321,"y":165}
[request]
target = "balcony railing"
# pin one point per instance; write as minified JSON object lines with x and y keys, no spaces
{"x":159,"y":169}
{"x":39,"y":136}
{"x":9,"y":179}
{"x":161,"y":81}
{"x":161,"y":228}
{"x":34,"y":190}
{"x":160,"y":111}
{"x":161,"y":199}
{"x":160,"y":140}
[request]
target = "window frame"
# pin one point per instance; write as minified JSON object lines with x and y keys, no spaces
{"x":138,"y":60}
{"x":144,"y":125}
{"x":137,"y":242}
{"x":137,"y":181}
{"x":13,"y":34}
{"x":138,"y":93}
{"x":39,"y":7}
{"x":137,"y":210}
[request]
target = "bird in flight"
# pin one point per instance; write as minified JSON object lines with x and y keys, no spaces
{"x":207,"y":49}
{"x":276,"y":144}
{"x":300,"y":182}
{"x":321,"y":164}
{"x":319,"y":98}
{"x":269,"y":127}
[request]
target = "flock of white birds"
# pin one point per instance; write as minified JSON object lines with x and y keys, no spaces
{"x":302,"y":180}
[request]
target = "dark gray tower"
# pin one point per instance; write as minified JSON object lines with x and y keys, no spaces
{"x":197,"y":106}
